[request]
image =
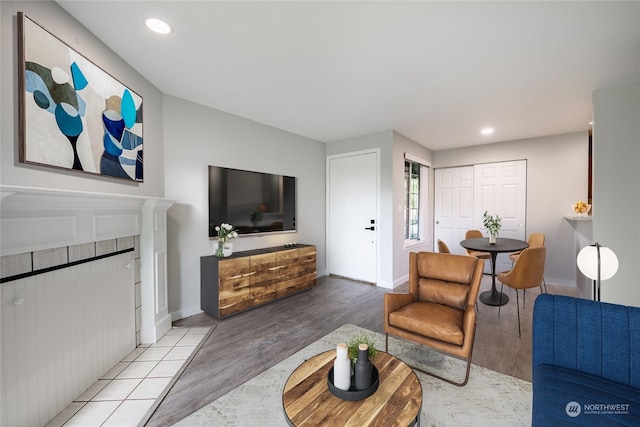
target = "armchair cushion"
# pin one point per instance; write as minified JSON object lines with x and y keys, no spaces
{"x":432,"y":320}
{"x":448,"y":268}
{"x":441,"y":292}
{"x":445,"y":279}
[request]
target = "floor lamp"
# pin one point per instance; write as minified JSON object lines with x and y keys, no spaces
{"x":597,"y":263}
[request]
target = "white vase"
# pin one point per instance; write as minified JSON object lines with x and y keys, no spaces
{"x":342,"y":368}
{"x":492,"y":238}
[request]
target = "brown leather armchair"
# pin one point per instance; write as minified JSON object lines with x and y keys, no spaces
{"x":439,"y":310}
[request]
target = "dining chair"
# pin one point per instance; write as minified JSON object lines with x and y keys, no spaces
{"x":527,"y":272}
{"x":475,"y":234}
{"x":443,"y":248}
{"x":534,"y":240}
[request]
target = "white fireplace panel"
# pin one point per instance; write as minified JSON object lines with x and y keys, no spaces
{"x":115,"y":225}
{"x":161,"y":289}
{"x":45,"y":232}
{"x":61,"y":331}
{"x":159,"y":221}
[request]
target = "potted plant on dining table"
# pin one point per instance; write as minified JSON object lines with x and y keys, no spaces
{"x":493,"y":224}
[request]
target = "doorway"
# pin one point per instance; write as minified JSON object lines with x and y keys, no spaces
{"x":352,"y":212}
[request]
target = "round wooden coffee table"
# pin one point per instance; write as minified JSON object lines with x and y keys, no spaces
{"x":307,"y":401}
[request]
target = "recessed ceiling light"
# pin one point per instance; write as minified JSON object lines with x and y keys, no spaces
{"x":487,"y":131}
{"x":157,"y":25}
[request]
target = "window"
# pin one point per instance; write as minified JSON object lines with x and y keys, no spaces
{"x":411,"y":200}
{"x":417,"y":228}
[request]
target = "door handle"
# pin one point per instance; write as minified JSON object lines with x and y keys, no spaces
{"x":370,"y":228}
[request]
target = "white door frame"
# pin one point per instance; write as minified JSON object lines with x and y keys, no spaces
{"x":375,"y":151}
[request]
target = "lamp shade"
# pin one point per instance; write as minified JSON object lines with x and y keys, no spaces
{"x":588,"y":262}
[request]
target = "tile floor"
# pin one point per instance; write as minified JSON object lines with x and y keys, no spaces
{"x":128,"y":394}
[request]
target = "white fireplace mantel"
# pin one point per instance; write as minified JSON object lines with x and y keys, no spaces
{"x":35,"y":219}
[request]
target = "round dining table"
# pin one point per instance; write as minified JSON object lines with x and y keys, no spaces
{"x":502,"y":245}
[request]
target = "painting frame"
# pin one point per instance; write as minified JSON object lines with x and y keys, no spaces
{"x":72,"y":114}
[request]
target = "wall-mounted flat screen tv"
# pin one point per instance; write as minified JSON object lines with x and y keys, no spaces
{"x":253,"y":202}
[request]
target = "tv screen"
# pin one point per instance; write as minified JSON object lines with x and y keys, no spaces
{"x":253,"y":202}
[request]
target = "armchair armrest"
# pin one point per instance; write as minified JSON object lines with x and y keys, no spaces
{"x":394,"y":301}
{"x":469,"y":326}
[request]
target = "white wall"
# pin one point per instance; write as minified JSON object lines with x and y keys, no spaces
{"x":557,"y":176}
{"x":198,"y":136}
{"x":616,"y":189}
{"x":57,"y":21}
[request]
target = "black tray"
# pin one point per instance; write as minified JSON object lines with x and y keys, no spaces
{"x":352,"y":393}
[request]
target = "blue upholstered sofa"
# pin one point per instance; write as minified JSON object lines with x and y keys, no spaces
{"x":586,"y":363}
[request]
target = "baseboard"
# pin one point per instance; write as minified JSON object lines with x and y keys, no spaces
{"x":560,"y":282}
{"x":182,"y":314}
{"x":385,"y":285}
{"x":163,"y":326}
{"x":401,"y":281}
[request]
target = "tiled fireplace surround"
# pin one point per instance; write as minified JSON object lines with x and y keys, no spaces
{"x":43,"y":229}
{"x":27,"y":263}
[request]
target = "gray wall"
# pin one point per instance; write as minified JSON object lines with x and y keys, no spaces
{"x":616,"y":193}
{"x":196,"y":137}
{"x":53,"y":18}
{"x":557,"y":176}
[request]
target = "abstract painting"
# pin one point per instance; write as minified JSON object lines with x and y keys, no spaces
{"x":72,"y":114}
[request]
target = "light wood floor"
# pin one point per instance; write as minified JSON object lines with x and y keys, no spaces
{"x":242,"y":346}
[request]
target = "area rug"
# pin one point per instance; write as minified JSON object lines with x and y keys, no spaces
{"x":489,"y":398}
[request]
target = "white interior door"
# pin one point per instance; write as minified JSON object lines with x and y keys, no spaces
{"x":453,"y":208}
{"x":501,"y":188}
{"x":352,"y":215}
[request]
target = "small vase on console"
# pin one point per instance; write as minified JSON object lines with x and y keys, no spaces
{"x":225,"y":232}
{"x":220,"y":248}
{"x":224,"y":248}
{"x":227,"y":248}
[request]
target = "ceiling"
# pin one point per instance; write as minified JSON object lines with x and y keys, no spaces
{"x":437,"y":72}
